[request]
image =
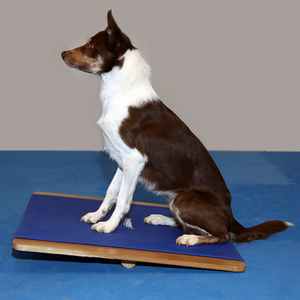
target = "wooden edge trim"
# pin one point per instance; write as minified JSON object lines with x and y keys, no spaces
{"x":95,"y":198}
{"x":67,"y":195}
{"x":128,"y":255}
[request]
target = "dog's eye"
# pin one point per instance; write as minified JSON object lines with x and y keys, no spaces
{"x":90,"y":45}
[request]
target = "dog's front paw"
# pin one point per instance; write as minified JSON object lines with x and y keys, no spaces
{"x":188,"y":240}
{"x":92,"y":217}
{"x":105,"y":227}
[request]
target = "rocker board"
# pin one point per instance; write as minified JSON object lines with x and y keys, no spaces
{"x":51,"y":224}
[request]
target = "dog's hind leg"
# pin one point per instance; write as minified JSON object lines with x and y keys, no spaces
{"x":201,"y":216}
{"x":160,"y":220}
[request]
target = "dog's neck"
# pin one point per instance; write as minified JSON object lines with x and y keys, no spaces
{"x":129,"y":85}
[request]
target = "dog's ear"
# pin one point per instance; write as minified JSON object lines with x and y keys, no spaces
{"x":114,"y":33}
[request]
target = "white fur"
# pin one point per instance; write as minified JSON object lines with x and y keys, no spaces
{"x":188,"y":240}
{"x":95,"y":65}
{"x":289,"y":224}
{"x":170,"y":195}
{"x":120,"y":89}
{"x":133,"y":165}
{"x":109,"y":200}
{"x":160,"y":220}
{"x":127,"y":86}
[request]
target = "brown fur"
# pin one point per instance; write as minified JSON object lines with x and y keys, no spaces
{"x":179,"y":163}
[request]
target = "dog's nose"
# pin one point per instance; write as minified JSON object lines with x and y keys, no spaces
{"x":64,"y":54}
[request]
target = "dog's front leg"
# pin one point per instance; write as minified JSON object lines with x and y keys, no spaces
{"x":133,"y":165}
{"x":109,"y":200}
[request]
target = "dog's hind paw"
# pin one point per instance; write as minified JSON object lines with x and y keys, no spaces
{"x":159,"y":220}
{"x":188,"y":240}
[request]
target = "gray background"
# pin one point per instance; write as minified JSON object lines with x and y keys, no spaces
{"x":229,"y":69}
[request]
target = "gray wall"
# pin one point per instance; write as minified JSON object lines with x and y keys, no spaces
{"x":229,"y":69}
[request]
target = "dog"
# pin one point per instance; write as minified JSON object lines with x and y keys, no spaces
{"x":153,"y":145}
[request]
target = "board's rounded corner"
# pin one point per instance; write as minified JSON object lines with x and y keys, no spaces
{"x":15,"y":244}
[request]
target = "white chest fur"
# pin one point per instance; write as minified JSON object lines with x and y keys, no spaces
{"x":109,"y":123}
{"x":120,"y":89}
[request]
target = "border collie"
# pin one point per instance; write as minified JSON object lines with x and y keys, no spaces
{"x":153,"y":145}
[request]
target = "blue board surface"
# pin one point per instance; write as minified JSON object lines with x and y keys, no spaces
{"x":57,"y":218}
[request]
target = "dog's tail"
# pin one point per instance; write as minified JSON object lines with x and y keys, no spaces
{"x":240,"y":234}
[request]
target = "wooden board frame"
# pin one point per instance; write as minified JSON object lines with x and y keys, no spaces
{"x":127,"y":256}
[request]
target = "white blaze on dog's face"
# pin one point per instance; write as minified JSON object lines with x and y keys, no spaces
{"x":102,"y":52}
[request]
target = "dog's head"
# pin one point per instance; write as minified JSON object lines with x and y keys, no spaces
{"x":102,"y":52}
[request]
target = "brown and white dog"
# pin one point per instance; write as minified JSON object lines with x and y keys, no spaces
{"x":151,"y":144}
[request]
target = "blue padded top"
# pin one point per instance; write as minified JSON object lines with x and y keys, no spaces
{"x":57,"y":219}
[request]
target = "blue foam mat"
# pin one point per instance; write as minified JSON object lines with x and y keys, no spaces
{"x":57,"y":218}
{"x":264,"y":186}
